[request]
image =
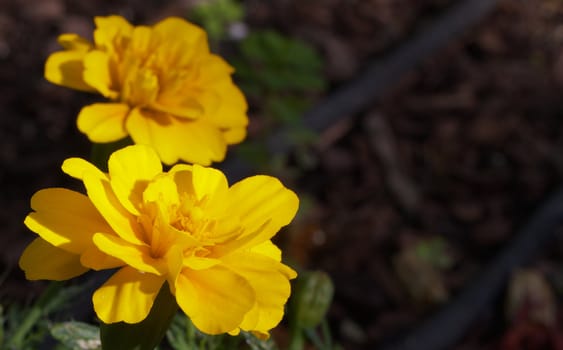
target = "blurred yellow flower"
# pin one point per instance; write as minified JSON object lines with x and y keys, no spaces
{"x":186,"y":227}
{"x":167,"y":90}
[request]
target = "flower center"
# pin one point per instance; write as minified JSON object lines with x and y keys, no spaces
{"x":181,"y":223}
{"x":189,"y":217}
{"x":140,"y":86}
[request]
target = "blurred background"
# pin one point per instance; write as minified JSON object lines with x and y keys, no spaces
{"x":407,"y":198}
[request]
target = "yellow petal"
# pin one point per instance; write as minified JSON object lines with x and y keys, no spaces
{"x":260,"y":198}
{"x":234,"y":135}
{"x":65,"y":219}
{"x":268,"y":249}
{"x":173,"y":259}
{"x":270,"y":281}
{"x":141,"y":41}
{"x":185,"y":40}
{"x":98,"y":73}
{"x":215,"y":299}
{"x":174,"y":138}
{"x":199,"y":263}
{"x":66,"y":68}
{"x":213,"y":69}
{"x":182,"y":174}
{"x":231,"y":109}
{"x":97,"y":260}
{"x":174,"y":100}
{"x":122,"y":222}
{"x":109,"y":29}
{"x":263,"y":206}
{"x":103,"y":122}
{"x":130,"y":169}
{"x":127,"y":296}
{"x":71,"y":41}
{"x":77,"y":167}
{"x":209,"y":182}
{"x":162,"y":191}
{"x":42,"y":261}
{"x":137,"y":256}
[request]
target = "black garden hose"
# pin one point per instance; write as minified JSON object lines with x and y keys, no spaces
{"x":363,"y":91}
{"x":445,"y":327}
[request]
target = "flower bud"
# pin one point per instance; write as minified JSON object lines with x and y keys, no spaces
{"x":311,"y":299}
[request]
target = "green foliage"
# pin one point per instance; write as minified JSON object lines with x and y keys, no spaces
{"x":215,"y":15}
{"x":259,"y":344}
{"x":435,"y":251}
{"x":182,"y":335}
{"x":25,"y":327}
{"x":77,"y":335}
{"x":282,"y":75}
{"x":271,"y":62}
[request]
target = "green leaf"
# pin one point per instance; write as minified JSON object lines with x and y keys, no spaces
{"x":145,"y":335}
{"x":77,"y":335}
{"x":215,"y":15}
{"x":280,"y":63}
{"x":435,"y":251}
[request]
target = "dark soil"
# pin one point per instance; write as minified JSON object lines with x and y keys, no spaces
{"x":460,"y":151}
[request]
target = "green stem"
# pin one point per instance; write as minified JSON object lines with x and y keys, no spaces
{"x":297,"y":341}
{"x":33,"y":315}
{"x":327,"y":336}
{"x":145,"y":335}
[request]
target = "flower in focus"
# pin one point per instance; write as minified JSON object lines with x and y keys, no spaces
{"x":166,"y":89}
{"x":187,"y":227}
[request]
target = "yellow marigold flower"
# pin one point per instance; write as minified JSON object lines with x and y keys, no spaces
{"x":186,"y":227}
{"x":167,"y":90}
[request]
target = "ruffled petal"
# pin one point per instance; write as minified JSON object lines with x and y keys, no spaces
{"x":210,"y":183}
{"x":185,"y":40}
{"x":262,"y":198}
{"x":97,"y":260}
{"x":98,"y":73}
{"x":163,"y":191}
{"x":66,"y":219}
{"x":270,"y":281}
{"x":215,"y":299}
{"x":66,"y":68}
{"x":121,"y":221}
{"x":109,"y":30}
{"x":182,"y":174}
{"x":176,"y":101}
{"x":137,"y":256}
{"x":42,"y":261}
{"x":71,"y":41}
{"x":127,"y":296}
{"x":131,"y":169}
{"x":230,"y":111}
{"x":174,"y":138}
{"x":268,"y":249}
{"x":103,"y":122}
{"x":213,"y":69}
{"x":234,"y":135}
{"x":77,"y":167}
{"x":263,"y":206}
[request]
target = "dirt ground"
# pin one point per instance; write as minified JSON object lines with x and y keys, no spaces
{"x":431,"y":181}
